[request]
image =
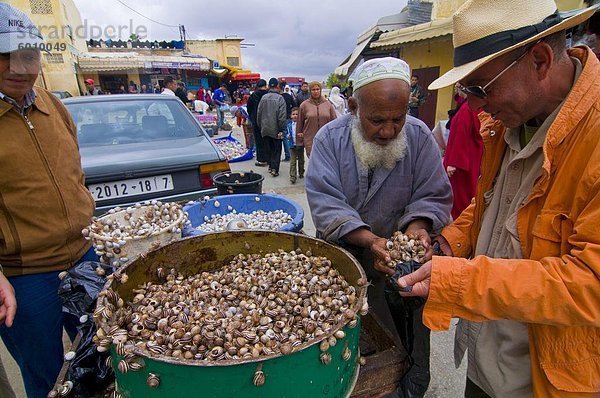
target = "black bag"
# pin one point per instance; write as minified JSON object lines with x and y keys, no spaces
{"x":79,"y":290}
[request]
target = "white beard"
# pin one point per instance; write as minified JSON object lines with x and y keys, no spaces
{"x":372,"y":155}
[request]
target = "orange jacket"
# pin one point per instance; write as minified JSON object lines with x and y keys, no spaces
{"x":555,"y":289}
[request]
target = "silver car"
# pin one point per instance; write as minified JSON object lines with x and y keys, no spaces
{"x":136,"y":147}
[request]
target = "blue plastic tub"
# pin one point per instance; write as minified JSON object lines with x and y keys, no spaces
{"x":243,"y":203}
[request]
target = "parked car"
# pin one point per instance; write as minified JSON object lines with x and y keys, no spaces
{"x":141,"y":147}
{"x":62,"y":94}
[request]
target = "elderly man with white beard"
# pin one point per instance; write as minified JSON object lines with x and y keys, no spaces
{"x":373,"y":172}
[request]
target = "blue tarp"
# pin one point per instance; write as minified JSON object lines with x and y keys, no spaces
{"x":247,"y":156}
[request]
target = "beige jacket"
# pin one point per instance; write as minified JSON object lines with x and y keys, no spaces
{"x":44,"y":203}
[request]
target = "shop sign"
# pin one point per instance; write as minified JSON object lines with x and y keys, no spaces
{"x":174,"y":65}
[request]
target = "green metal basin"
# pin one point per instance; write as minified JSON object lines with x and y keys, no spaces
{"x":299,"y":374}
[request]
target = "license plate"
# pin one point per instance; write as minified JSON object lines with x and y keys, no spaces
{"x":132,"y":187}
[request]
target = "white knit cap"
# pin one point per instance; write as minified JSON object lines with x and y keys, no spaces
{"x":378,"y":69}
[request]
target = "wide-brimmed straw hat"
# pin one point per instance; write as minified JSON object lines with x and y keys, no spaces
{"x":485,"y":29}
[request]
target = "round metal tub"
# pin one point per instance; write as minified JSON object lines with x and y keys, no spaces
{"x":299,"y":374}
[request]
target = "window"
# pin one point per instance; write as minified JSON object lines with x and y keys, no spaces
{"x":131,"y":122}
{"x":233,"y":61}
{"x":40,"y":6}
{"x":54,"y":58}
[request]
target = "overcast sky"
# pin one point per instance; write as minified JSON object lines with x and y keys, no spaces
{"x":308,"y":38}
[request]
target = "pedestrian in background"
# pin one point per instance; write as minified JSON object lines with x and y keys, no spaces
{"x":296,"y":148}
{"x":200,"y":94}
{"x":169,"y":86}
{"x":271,"y":118}
{"x":463,"y":154}
{"x":133,"y":88}
{"x":90,"y":88}
{"x":43,"y":208}
{"x":303,"y":94}
{"x":262,"y":159}
{"x":338,"y":101}
{"x":417,"y":96}
{"x":290,"y":103}
{"x":222,"y":101}
{"x":182,"y":93}
{"x":313,"y":114}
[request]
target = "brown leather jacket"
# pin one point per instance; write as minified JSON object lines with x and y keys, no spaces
{"x":44,"y":203}
{"x":555,"y":289}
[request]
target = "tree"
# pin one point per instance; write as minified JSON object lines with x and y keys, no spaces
{"x":334,"y":79}
{"x":133,"y":37}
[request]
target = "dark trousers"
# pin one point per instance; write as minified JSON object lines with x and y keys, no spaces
{"x":407,"y":315}
{"x":408,"y":318}
{"x":261,"y":155}
{"x":472,"y":390}
{"x":296,"y":160}
{"x":35,"y":338}
{"x":274,"y":147}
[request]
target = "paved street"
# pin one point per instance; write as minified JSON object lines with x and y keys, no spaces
{"x":446,"y":381}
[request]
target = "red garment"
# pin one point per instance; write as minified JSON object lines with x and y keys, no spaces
{"x":464,"y":151}
{"x":200,"y":94}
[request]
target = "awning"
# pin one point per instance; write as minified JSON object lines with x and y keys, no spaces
{"x":343,"y":69}
{"x":220,"y":72}
{"x":425,"y":31}
{"x":187,"y":63}
{"x":109,"y":61}
{"x":123,"y":61}
{"x":246,"y":76}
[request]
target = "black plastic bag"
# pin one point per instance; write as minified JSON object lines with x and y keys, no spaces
{"x":79,"y":291}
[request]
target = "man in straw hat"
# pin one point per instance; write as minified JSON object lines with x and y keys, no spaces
{"x":44,"y":205}
{"x":373,"y":172}
{"x":524,"y":278}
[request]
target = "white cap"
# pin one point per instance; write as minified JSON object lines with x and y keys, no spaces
{"x":17,"y":31}
{"x":379,"y":69}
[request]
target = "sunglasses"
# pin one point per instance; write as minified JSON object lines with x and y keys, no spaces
{"x":478,"y":91}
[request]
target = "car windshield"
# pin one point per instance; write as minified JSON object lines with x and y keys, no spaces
{"x":131,"y":122}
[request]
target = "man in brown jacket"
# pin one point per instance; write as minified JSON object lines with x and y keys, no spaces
{"x":44,"y":205}
{"x":522,"y":262}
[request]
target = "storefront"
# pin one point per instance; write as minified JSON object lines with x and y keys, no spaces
{"x":111,"y":70}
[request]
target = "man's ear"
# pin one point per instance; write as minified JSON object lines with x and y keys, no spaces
{"x":352,"y":105}
{"x":543,"y":57}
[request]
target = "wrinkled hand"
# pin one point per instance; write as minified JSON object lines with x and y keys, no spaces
{"x":450,"y":170}
{"x":8,"y":302}
{"x":424,"y":237}
{"x":279,"y":135}
{"x":420,"y":280}
{"x":381,"y":256}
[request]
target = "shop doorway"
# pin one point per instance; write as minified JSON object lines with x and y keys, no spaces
{"x":111,"y":83}
{"x":428,"y":110}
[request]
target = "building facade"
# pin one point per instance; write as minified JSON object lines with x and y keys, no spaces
{"x":60,"y":23}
